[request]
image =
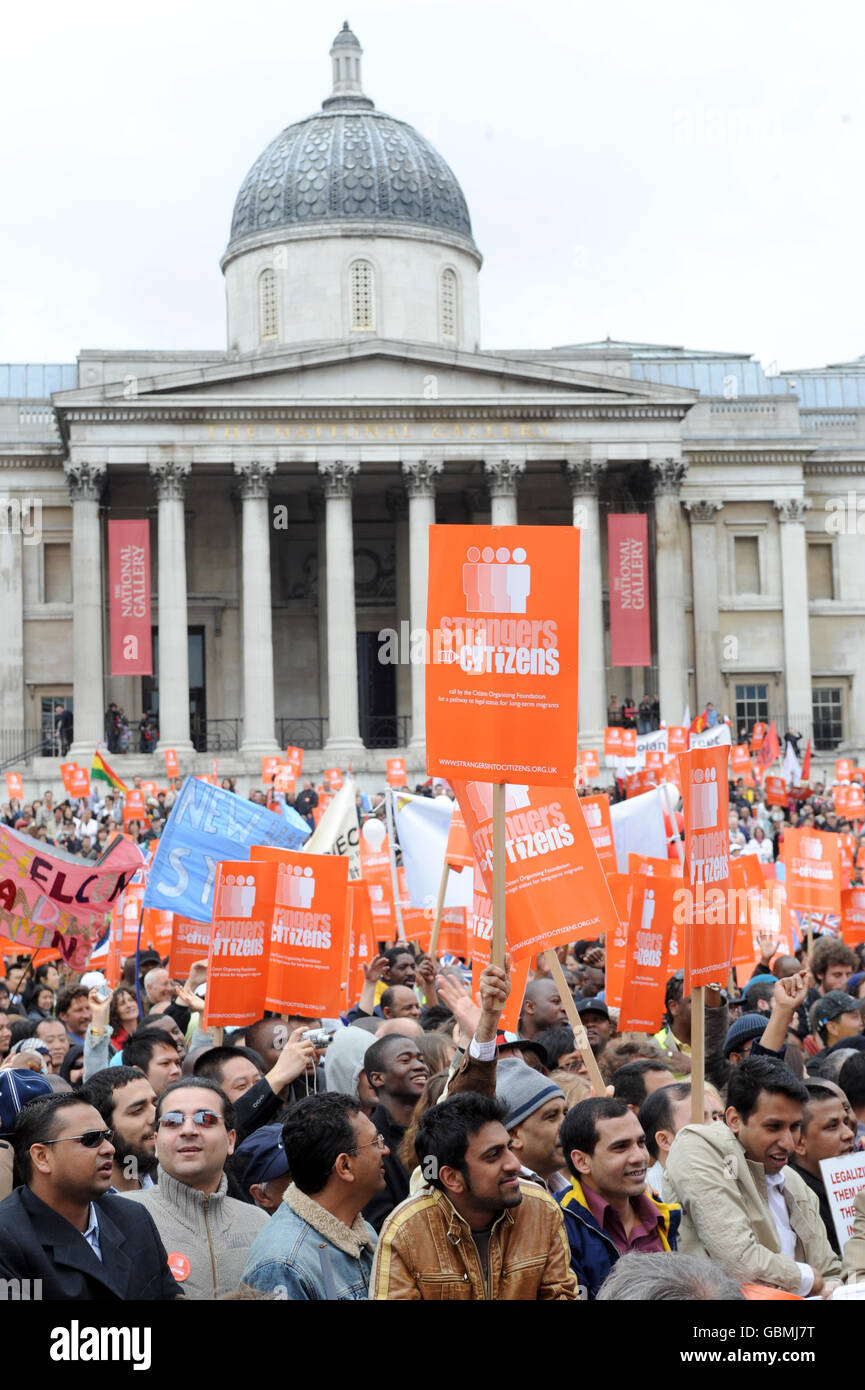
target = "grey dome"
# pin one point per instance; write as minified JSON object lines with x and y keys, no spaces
{"x":350,"y":162}
{"x":345,"y":38}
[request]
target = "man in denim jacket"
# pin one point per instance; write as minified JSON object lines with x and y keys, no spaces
{"x":317,"y":1245}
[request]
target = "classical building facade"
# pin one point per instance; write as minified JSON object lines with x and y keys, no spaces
{"x":290,"y":480}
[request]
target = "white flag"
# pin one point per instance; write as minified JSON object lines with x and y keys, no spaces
{"x":338,"y":831}
{"x":422,"y":826}
{"x":638,"y":828}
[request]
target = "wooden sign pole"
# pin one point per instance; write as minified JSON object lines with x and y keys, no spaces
{"x":580,"y":1037}
{"x":391,"y":844}
{"x":698,"y":1003}
{"x":437,"y":920}
{"x":497,"y":953}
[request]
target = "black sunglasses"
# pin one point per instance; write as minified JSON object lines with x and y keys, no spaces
{"x":90,"y":1140}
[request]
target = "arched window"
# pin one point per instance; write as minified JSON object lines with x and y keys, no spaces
{"x":362,"y":296}
{"x":267,"y":310}
{"x":448,"y":304}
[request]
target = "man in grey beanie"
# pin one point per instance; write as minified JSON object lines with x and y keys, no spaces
{"x":535,"y":1110}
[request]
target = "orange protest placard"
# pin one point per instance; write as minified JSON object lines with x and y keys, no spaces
{"x":708,"y":934}
{"x":677,"y":739}
{"x":452,"y":933}
{"x":134,"y":806}
{"x":171,"y":768}
{"x":396,"y":772}
{"x":190,"y":941}
{"x":14,"y":785}
{"x":758,"y":733}
{"x":654,"y":758}
{"x":740,"y":760}
{"x":555,"y":888}
{"x":613,"y":741}
{"x":359,"y":945}
{"x":285,"y":780}
{"x":157,"y":926}
{"x":306,"y":947}
{"x":771,"y":916}
{"x":237,"y":963}
{"x":130,"y":910}
{"x":149,"y":788}
{"x":269,"y":769}
{"x":376,"y":874}
{"x":853,"y":916}
{"x":629,"y":743}
{"x":747,"y":884}
{"x":616,"y":944}
{"x":66,"y":770}
{"x":587,"y":763}
{"x":501,"y":681}
{"x":334,"y":777}
{"x":78,"y":783}
{"x":650,"y":923}
{"x":596,"y":811}
{"x":294,"y":758}
{"x":847,"y":852}
{"x":813,"y":867}
{"x":776,"y":791}
{"x":458,"y":851}
{"x":479,"y":936}
{"x":643,"y":780}
{"x":658,"y":868}
{"x":416,"y":921}
{"x":855,"y":803}
{"x":844,"y":769}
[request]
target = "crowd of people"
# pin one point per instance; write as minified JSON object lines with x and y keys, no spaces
{"x":413,"y":1150}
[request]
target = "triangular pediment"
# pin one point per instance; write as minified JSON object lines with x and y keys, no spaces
{"x":368,"y":371}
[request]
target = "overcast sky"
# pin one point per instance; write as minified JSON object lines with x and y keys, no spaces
{"x":669,"y":172}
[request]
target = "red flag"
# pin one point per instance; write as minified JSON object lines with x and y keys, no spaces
{"x":697,"y":725}
{"x":806,"y":763}
{"x":769,"y":750}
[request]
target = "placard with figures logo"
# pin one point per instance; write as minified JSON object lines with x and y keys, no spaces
{"x":501,"y":684}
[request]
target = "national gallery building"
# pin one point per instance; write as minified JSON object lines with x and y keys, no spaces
{"x":290,"y":478}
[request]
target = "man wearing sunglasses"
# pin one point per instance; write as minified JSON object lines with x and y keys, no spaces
{"x":61,"y":1228}
{"x":207,"y":1233}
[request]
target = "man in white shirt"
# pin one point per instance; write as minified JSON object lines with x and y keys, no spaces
{"x":740,"y":1200}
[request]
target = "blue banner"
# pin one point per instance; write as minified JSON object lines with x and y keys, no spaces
{"x":208,"y":824}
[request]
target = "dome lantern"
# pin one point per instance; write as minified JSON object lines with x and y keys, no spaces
{"x":345,"y":56}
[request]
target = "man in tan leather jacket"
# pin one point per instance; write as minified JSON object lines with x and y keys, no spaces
{"x":478,"y":1231}
{"x":740,"y":1200}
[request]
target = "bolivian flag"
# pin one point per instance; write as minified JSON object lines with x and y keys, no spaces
{"x":101,"y":772}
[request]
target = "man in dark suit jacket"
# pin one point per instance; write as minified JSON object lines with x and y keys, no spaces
{"x":61,"y":1228}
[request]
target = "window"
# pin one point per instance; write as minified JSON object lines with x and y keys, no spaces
{"x":828,"y":716}
{"x":821,"y":582}
{"x":267,"y":310}
{"x":746,"y":562}
{"x":362,"y":296}
{"x":752,"y":707}
{"x":448,"y":304}
{"x":57,"y":560}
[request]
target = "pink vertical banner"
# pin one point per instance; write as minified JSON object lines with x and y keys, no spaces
{"x":129,"y":598}
{"x":628,"y":547}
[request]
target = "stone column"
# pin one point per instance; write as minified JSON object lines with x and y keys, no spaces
{"x":707,"y":637}
{"x":85,"y":484}
{"x":169,"y":474}
{"x":12,"y":608}
{"x":794,"y":598}
{"x":420,"y":476}
{"x":258,"y":698}
{"x":584,"y":477}
{"x":503,"y":476}
{"x":668,"y":474}
{"x":343,"y":728}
